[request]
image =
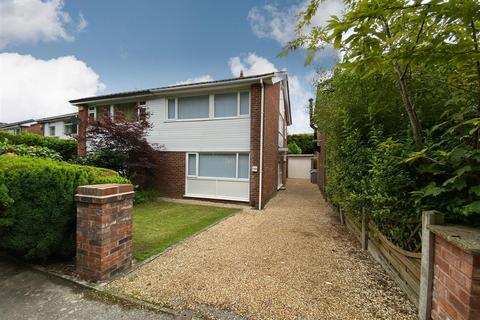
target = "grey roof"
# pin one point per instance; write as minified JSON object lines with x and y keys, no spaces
{"x":178,"y":86}
{"x":16,"y":124}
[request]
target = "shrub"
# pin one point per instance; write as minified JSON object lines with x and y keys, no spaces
{"x":121,"y":145}
{"x":145,"y":196}
{"x":293,"y":148}
{"x":30,"y":151}
{"x":304,"y":141}
{"x":37,"y":208}
{"x":66,"y":148}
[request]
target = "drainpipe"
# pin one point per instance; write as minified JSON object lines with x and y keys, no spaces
{"x":261,"y":145}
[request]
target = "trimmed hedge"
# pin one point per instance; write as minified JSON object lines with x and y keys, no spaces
{"x":37,"y":206}
{"x":66,"y":148}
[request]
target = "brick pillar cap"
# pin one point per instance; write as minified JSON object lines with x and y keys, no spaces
{"x":104,"y":189}
{"x":104,"y":193}
{"x":463,"y":237}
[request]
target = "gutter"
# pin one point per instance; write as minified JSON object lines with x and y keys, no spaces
{"x":261,"y":145}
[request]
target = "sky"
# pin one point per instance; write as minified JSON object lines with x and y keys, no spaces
{"x":52,"y":51}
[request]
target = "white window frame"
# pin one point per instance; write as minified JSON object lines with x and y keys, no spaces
{"x":92,"y":110}
{"x":50,"y":130}
{"x":65,"y":124}
{"x":197,"y":159}
{"x":211,"y":108}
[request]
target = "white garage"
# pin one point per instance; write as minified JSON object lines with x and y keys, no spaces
{"x":299,"y":166}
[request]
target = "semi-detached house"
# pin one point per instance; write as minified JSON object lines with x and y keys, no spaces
{"x":222,"y":139}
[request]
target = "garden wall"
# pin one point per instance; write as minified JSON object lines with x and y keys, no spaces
{"x":444,"y":280}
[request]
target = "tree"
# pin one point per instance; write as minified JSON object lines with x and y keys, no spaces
{"x":293,"y":148}
{"x":398,"y":38}
{"x":304,"y":141}
{"x":120,"y":144}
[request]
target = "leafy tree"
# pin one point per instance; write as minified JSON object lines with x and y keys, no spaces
{"x":304,"y":141}
{"x":293,"y":148}
{"x":120,"y":144}
{"x":394,"y":38}
{"x":401,"y":111}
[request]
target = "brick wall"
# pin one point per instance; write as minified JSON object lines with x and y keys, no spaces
{"x":271,"y":156}
{"x":36,"y":128}
{"x":82,"y":131}
{"x":169,"y":176}
{"x":255,"y":100}
{"x":104,"y":230}
{"x":456,"y":284}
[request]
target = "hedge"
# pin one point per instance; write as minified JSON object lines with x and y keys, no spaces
{"x":29,"y":151}
{"x":37,"y":207}
{"x":66,"y":148}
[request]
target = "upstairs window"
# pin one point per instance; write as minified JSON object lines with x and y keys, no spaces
{"x":102,"y":111}
{"x":70,"y":128}
{"x":171,"y":109}
{"x":128,"y":110}
{"x":226,"y":105}
{"x":244,"y":103}
{"x":193,"y":107}
{"x":220,"y":105}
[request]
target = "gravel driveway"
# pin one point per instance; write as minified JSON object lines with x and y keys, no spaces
{"x":291,"y":261}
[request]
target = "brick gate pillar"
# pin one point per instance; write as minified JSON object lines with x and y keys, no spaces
{"x":104,"y":230}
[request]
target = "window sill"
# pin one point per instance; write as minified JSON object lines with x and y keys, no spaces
{"x":219,"y":179}
{"x":206,"y":119}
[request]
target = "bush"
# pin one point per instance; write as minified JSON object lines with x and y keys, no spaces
{"x":30,"y":151}
{"x":66,"y":148}
{"x":293,"y":148}
{"x":304,"y":141}
{"x":145,"y":196}
{"x":37,"y":207}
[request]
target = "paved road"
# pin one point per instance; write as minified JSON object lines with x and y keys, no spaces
{"x":26,"y":294}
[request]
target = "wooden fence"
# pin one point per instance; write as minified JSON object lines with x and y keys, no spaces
{"x":402,"y":265}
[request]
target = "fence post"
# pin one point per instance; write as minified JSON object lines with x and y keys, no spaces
{"x":342,"y":219}
{"x":427,"y":262}
{"x":364,"y":239}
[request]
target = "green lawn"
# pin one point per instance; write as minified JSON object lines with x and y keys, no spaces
{"x":158,"y":224}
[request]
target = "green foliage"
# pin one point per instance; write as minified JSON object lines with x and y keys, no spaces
{"x":66,"y":148}
{"x":37,"y":208}
{"x":30,"y":151}
{"x":304,"y":141}
{"x":106,"y":158}
{"x":401,"y":110}
{"x":145,"y":196}
{"x":452,"y":163}
{"x":293,"y":148}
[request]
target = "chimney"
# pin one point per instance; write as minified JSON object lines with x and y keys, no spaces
{"x":241,"y":74}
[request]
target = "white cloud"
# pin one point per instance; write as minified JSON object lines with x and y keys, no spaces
{"x":274,"y":22}
{"x":202,"y":78}
{"x":35,"y":88}
{"x":30,"y":21}
{"x":301,"y":89}
{"x":251,"y":65}
{"x":82,"y":23}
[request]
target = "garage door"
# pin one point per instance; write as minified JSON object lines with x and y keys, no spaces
{"x":299,"y":166}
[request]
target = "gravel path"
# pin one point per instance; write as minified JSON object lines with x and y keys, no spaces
{"x":291,"y":261}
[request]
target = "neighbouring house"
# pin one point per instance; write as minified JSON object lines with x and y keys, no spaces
{"x":18,"y":127}
{"x":222,"y":139}
{"x":63,"y":126}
